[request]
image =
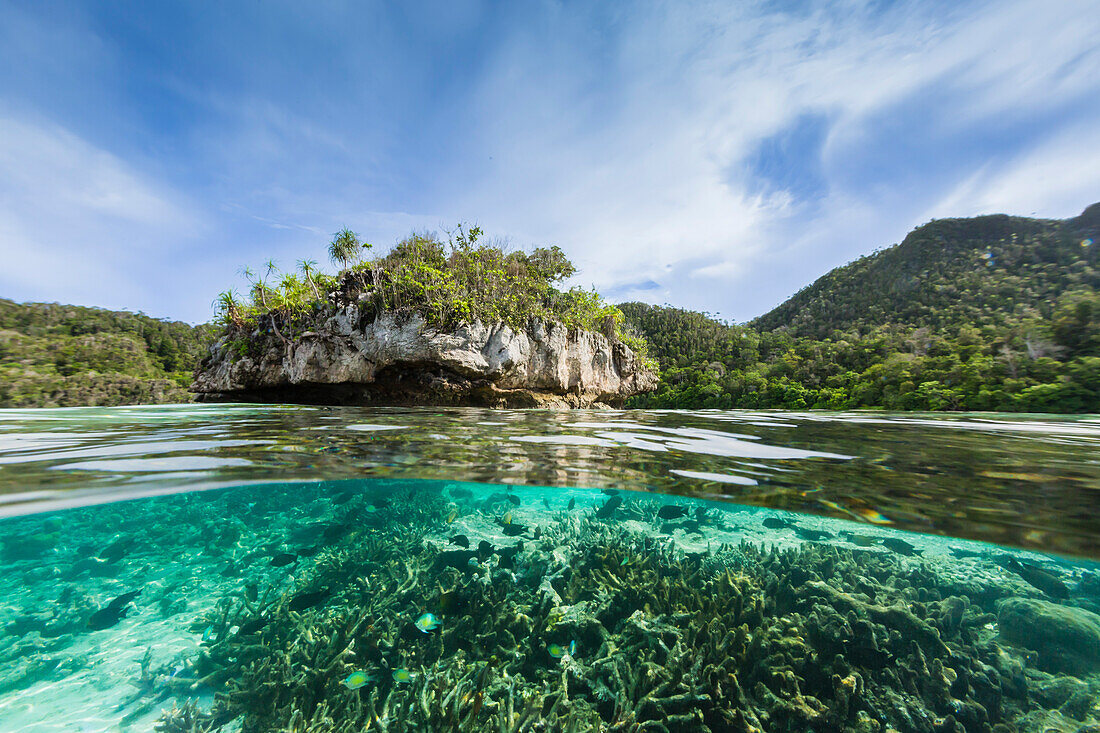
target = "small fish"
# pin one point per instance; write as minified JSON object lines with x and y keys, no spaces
{"x":572,"y":505}
{"x":484,"y":549}
{"x":428,"y":623}
{"x":357,"y":679}
{"x":448,"y":599}
{"x":283,"y":559}
{"x":812,"y":535}
{"x":460,"y":540}
{"x":451,"y":517}
{"x":610,"y":492}
{"x":458,"y":559}
{"x":255,"y":625}
{"x":506,"y":519}
{"x":671,"y":511}
{"x":1037,"y":577}
{"x":403,"y":676}
{"x":900,"y":546}
{"x":777,"y":523}
{"x":116,"y":550}
{"x":124,"y":599}
{"x":961,"y":552}
{"x":609,"y":507}
{"x":302,"y":601}
{"x":514,"y":499}
{"x":557,"y":651}
{"x":105,"y":618}
{"x":310,"y":551}
{"x":208,"y":634}
{"x":860,"y":540}
{"x":508,"y":555}
{"x":335,"y":531}
{"x":514,"y":530}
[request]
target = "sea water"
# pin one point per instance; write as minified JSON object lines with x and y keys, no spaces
{"x":250,"y":568}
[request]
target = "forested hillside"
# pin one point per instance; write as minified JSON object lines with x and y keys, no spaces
{"x":991,"y":313}
{"x":62,"y":356}
{"x":990,"y":270}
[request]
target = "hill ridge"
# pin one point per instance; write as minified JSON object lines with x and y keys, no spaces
{"x":995,"y":312}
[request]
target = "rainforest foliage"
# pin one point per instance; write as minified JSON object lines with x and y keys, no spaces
{"x":993,"y":313}
{"x":65,"y":356}
{"x":459,"y":279}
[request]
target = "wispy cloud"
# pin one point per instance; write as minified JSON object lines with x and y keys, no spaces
{"x":710,"y":154}
{"x":741,"y":148}
{"x":78,"y":222}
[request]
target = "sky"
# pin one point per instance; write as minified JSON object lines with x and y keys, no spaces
{"x":716,"y":156}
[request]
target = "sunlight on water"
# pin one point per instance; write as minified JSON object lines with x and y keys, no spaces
{"x":459,"y":569}
{"x":1028,"y":481}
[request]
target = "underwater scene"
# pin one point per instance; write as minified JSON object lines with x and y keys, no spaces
{"x":243,"y":568}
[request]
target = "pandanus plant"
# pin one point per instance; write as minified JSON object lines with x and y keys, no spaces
{"x":345,"y":247}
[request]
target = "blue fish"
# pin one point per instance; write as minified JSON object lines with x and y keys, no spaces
{"x":428,"y":623}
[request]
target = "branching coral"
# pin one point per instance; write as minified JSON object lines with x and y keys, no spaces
{"x":594,"y":627}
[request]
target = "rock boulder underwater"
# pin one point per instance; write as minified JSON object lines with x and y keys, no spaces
{"x":1066,"y":639}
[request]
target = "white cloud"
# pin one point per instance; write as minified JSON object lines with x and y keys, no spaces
{"x":635,"y":166}
{"x":1049,"y":180}
{"x":623,"y":135}
{"x":77,"y":220}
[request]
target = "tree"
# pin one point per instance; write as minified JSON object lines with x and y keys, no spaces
{"x":345,"y":247}
{"x":306,"y":266}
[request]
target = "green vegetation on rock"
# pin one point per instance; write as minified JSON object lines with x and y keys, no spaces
{"x":67,"y":356}
{"x":450,"y":282}
{"x":993,"y":313}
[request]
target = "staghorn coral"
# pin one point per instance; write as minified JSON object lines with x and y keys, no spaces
{"x":746,"y":638}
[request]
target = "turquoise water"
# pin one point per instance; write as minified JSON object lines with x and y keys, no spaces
{"x":264,"y":568}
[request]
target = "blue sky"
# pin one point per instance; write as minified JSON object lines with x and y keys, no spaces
{"x":712,"y":155}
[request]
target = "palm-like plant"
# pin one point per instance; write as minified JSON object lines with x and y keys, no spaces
{"x":344,"y":247}
{"x":228,"y":307}
{"x":306,"y":266}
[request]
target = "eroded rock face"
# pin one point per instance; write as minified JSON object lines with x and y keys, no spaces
{"x":400,"y":359}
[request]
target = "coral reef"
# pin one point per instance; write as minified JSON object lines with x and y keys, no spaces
{"x":299,"y":605}
{"x":744,"y":638}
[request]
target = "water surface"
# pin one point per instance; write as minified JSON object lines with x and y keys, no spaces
{"x":1027,"y":481}
{"x":242,"y":568}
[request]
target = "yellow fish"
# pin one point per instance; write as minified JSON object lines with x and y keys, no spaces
{"x":452,"y":515}
{"x":357,"y":679}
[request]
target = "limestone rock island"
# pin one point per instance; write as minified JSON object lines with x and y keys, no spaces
{"x":431,"y":323}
